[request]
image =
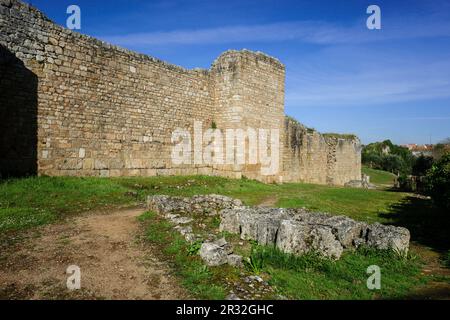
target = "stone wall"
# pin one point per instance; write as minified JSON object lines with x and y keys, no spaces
{"x":309,"y":156}
{"x":74,"y":105}
{"x":249,"y":93}
{"x":344,"y":160}
{"x":102,"y":110}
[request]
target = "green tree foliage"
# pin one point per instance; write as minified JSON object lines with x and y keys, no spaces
{"x":441,"y":148}
{"x":389,"y":157}
{"x":422,"y":165}
{"x":438,"y":180}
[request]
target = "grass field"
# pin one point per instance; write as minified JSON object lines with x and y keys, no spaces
{"x":311,"y":277}
{"x":30,"y":202}
{"x":379,"y":177}
{"x":35,"y":201}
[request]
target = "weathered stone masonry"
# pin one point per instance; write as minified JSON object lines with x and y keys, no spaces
{"x":74,"y":105}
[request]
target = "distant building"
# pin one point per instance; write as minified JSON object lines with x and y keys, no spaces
{"x":420,"y":149}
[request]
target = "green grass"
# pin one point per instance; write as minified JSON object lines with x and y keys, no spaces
{"x":312,"y":277}
{"x":359,"y":204}
{"x":250,"y":191}
{"x":347,"y":136}
{"x":379,"y":177}
{"x":26,"y":203}
{"x":30,"y":202}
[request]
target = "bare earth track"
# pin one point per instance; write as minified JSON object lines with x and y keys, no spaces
{"x":114,"y":263}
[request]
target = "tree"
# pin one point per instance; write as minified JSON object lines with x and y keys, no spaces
{"x":438,"y":181}
{"x":422,"y":165}
{"x":441,"y":148}
{"x":393,"y":163}
{"x":389,"y":157}
{"x":372,"y":160}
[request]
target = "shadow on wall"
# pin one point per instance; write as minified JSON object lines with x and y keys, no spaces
{"x":18,"y":117}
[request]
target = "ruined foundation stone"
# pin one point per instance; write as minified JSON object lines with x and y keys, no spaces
{"x":215,"y":253}
{"x":73,"y":105}
{"x":295,"y":231}
{"x":210,"y":204}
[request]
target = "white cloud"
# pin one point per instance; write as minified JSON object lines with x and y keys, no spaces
{"x":316,"y":32}
{"x":362,"y":76}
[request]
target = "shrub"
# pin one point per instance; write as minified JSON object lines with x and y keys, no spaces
{"x":403,"y":182}
{"x":422,"y":165}
{"x":438,"y":182}
{"x":393,"y":163}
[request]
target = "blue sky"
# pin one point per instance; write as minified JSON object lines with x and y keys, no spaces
{"x":392,"y":83}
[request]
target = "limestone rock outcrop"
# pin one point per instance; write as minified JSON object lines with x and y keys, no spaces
{"x":295,"y":231}
{"x":206,"y":204}
{"x":215,"y":253}
{"x":298,"y":231}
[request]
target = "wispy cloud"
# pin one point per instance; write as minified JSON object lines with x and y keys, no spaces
{"x":367,"y":78}
{"x":316,"y":32}
{"x":227,"y":34}
{"x":356,"y":90}
{"x":425,"y":118}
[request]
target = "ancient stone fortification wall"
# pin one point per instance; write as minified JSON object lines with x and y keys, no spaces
{"x":102,"y":110}
{"x":73,"y":105}
{"x":312,"y":157}
{"x":344,"y":160}
{"x":249,"y":93}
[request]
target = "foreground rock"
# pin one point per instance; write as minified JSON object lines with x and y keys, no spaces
{"x":298,"y":231}
{"x":295,"y":231}
{"x":364,"y":183}
{"x":215,"y":253}
{"x":181,"y":210}
{"x":388,"y":237}
{"x":200,"y":204}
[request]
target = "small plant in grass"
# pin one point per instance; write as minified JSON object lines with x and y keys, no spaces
{"x":228,"y":235}
{"x":215,"y":222}
{"x":254,"y":264}
{"x":194,"y":248}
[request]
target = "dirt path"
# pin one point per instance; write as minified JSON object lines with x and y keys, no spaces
{"x":113,"y":263}
{"x":433,"y":290}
